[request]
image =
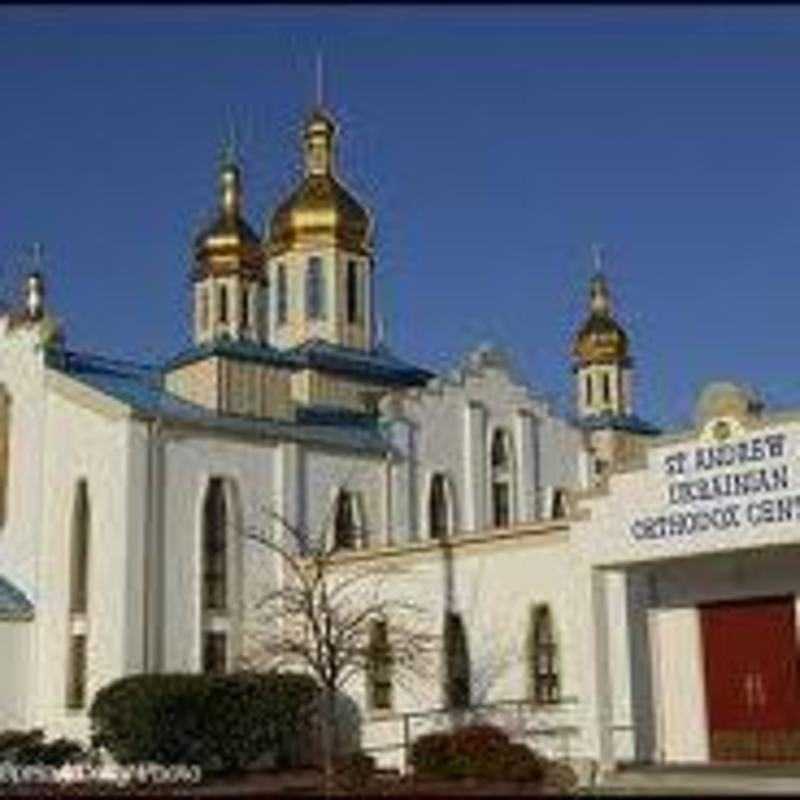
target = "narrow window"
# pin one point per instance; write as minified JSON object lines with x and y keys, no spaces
{"x":457,"y":663}
{"x":559,"y":510}
{"x":214,"y":547}
{"x":344,"y":522}
{"x":379,"y":670}
{"x":588,"y":390}
{"x":283,"y":295}
{"x":502,"y":478}
{"x":438,"y":511}
{"x":223,"y":303}
{"x":245,"y":307}
{"x":215,"y":657}
{"x":544,"y":657}
{"x":352,"y":292}
{"x":315,"y":289}
{"x":500,"y":450}
{"x":79,"y":567}
{"x":500,"y":516}
{"x":76,"y":672}
{"x":606,"y":388}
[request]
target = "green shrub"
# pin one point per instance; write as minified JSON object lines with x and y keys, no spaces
{"x":475,"y":751}
{"x":221,"y":723}
{"x":29,"y":747}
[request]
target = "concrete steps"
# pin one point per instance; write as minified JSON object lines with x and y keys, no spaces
{"x":690,"y":780}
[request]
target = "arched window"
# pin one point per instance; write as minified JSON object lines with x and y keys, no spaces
{"x":283,"y":295}
{"x":78,"y":598}
{"x":223,"y":303}
{"x":438,"y":508}
{"x":379,"y":666}
{"x":352,"y":292}
{"x":215,"y":573}
{"x":245,"y":307}
{"x":315,"y":289}
{"x":344,"y":533}
{"x":502,"y":478}
{"x":544,"y":657}
{"x":500,"y":454}
{"x":606,"y":388}
{"x":457,"y":681}
{"x":79,"y":561}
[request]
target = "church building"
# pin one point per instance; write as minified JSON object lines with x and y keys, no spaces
{"x":607,"y":582}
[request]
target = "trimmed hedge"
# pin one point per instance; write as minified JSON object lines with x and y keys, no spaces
{"x":475,"y":751}
{"x":220,"y":722}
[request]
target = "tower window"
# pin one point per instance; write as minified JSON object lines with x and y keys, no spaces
{"x":544,"y":657}
{"x":352,"y":292}
{"x":606,"y":388}
{"x":283,"y":295}
{"x":438,"y":510}
{"x":214,"y":547}
{"x":223,"y":303}
{"x":588,"y":390}
{"x":379,"y":666}
{"x":315,"y":289}
{"x":245,"y":307}
{"x":204,"y":311}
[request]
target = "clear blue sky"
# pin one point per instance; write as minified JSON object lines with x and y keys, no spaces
{"x":494,"y":145}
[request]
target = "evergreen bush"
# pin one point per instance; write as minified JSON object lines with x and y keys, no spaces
{"x":221,"y":723}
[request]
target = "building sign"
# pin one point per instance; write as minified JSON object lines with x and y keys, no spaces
{"x":724,"y":486}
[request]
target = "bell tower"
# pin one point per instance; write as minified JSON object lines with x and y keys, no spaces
{"x":319,"y":252}
{"x":229,"y":285}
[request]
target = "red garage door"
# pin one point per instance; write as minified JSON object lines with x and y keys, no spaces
{"x":753,"y":702}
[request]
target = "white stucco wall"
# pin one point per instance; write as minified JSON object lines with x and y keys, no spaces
{"x":16,"y":686}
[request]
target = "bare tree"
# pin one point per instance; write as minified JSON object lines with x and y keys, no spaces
{"x":320,"y":618}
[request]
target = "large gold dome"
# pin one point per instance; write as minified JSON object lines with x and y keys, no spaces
{"x":601,"y":339}
{"x":321,"y":209}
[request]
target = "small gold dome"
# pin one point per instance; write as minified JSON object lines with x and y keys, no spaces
{"x":601,"y":339}
{"x":321,"y":207}
{"x":228,"y":243}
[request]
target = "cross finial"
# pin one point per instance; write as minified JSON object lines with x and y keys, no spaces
{"x":37,"y":256}
{"x":598,"y":257}
{"x":230,"y":145}
{"x":319,"y":80}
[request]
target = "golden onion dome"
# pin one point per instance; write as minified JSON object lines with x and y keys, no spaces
{"x":601,"y":339}
{"x":228,"y":243}
{"x":321,"y":208}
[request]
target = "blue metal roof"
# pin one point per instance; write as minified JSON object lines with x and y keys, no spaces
{"x":142,"y":388}
{"x":618,"y":422}
{"x":377,"y":366}
{"x":243,"y":351}
{"x":13,"y":602}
